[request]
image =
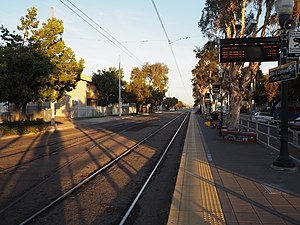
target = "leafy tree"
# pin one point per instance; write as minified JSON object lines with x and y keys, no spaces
{"x":205,"y":72}
{"x":67,"y":70}
{"x":138,"y":88}
{"x":156,"y":97}
{"x":259,"y":88}
{"x":21,"y":68}
{"x":219,"y":19}
{"x":272,"y":92}
{"x":55,"y":69}
{"x":107,"y":85}
{"x":170,"y":102}
{"x":149,"y":84}
{"x":180,"y":105}
{"x":156,"y":76}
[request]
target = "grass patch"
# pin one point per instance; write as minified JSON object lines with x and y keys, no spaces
{"x":23,"y":127}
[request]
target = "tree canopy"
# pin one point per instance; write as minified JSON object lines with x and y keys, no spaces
{"x":170,"y":102}
{"x":21,"y":69}
{"x":35,"y":63}
{"x":107,"y":85}
{"x":148,"y":84}
{"x":219,"y":19}
{"x":206,"y":71}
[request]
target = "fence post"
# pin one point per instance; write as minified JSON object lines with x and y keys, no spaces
{"x":248,"y":125}
{"x":256,"y":129}
{"x":268,"y":142}
{"x":295,"y":138}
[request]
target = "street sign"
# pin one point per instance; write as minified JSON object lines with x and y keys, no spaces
{"x":284,"y":72}
{"x":294,"y":42}
{"x":249,"y":49}
{"x":216,"y":88}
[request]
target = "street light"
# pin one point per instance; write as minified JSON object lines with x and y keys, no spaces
{"x":284,"y":9}
{"x":221,"y":75}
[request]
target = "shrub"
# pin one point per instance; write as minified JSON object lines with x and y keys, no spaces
{"x":23,"y":127}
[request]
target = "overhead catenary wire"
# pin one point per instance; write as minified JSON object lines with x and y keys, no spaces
{"x":169,"y":42}
{"x":141,"y":41}
{"x":105,"y":31}
{"x":96,"y":27}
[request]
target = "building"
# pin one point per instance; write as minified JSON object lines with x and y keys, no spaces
{"x":80,"y":102}
{"x":84,"y":94}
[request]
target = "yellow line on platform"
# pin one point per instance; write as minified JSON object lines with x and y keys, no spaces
{"x":195,"y":198}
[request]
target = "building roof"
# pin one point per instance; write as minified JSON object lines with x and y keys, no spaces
{"x":86,"y":78}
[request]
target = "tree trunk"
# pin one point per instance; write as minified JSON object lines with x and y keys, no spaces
{"x":202,"y":101}
{"x":18,"y":111}
{"x":235,"y":107}
{"x":202,"y":106}
{"x":24,"y":113}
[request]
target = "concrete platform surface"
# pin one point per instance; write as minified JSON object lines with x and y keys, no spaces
{"x":226,"y":182}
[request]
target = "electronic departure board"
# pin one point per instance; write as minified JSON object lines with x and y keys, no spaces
{"x":249,"y":49}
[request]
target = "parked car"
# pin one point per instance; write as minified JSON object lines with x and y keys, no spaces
{"x":295,"y":124}
{"x":263,"y":117}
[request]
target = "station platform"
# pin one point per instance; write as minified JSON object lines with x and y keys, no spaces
{"x":227,"y":182}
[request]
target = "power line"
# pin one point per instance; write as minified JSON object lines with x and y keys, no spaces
{"x":104,"y":31}
{"x":139,"y":41}
{"x":169,"y":42}
{"x":107,"y":35}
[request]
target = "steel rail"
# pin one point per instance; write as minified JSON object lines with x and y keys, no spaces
{"x":95,"y":173}
{"x":151,"y":175}
{"x":13,"y":168}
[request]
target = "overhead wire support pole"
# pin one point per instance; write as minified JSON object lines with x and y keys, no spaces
{"x":52,"y":104}
{"x":120,"y":87}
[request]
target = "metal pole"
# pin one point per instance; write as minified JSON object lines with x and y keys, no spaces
{"x":284,"y":160}
{"x":52,"y":104}
{"x":221,"y":119}
{"x":120,"y":96}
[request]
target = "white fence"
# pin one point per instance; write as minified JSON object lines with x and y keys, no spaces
{"x":268,"y":134}
{"x":43,"y":111}
{"x":91,"y":111}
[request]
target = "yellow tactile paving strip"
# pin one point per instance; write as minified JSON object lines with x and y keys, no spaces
{"x":195,"y":199}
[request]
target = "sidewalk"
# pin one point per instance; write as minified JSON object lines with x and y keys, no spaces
{"x":226,"y":182}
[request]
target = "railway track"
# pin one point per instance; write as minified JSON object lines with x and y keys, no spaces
{"x":81,"y":139}
{"x":77,"y":184}
{"x":142,"y":189}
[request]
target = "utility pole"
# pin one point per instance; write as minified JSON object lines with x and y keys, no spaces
{"x":52,"y":104}
{"x":120,"y":96}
